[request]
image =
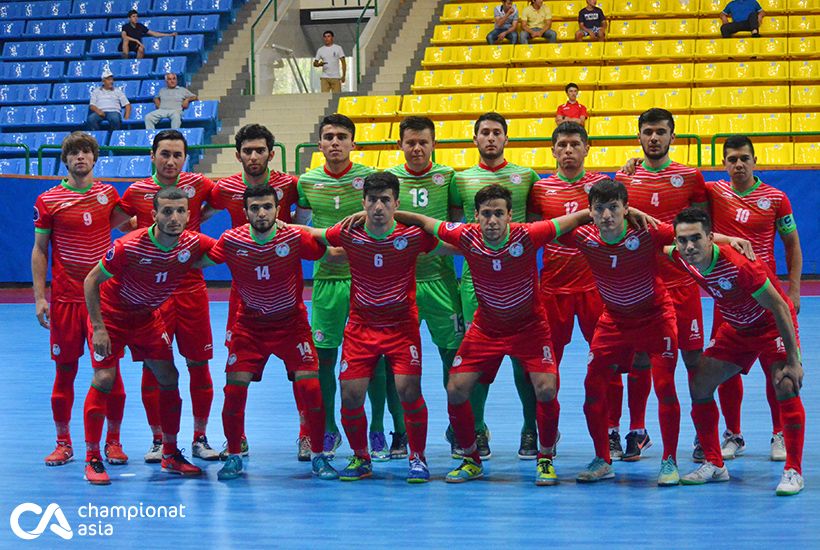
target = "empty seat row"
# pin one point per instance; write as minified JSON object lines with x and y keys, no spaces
{"x":35,"y":140}
{"x":74,"y":92}
{"x":95,"y":28}
{"x":25,"y":71}
{"x":108,"y":8}
{"x":198,"y":113}
{"x":185,"y":44}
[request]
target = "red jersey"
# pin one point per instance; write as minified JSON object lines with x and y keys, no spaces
{"x":382,"y":271}
{"x":145,"y":273}
{"x":565,"y":270}
{"x":79,"y":224}
{"x":625,"y":271}
{"x":505,"y":277}
{"x":227,"y":194}
{"x":754,"y":214}
{"x":662,"y":193}
{"x":572,"y":110}
{"x":267,"y":274}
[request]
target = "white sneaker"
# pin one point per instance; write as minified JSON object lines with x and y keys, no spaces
{"x":154,"y":454}
{"x":732,"y":446}
{"x":778,"y":448}
{"x":790,"y":484}
{"x":596,"y":470}
{"x":200,"y":449}
{"x":705,"y":473}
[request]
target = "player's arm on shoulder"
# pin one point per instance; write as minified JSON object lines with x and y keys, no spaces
{"x":428,"y":224}
{"x":39,"y":266}
{"x":794,"y":264}
{"x":122,"y":221}
{"x":741,"y":245}
{"x":91,"y":288}
{"x":568,"y":222}
{"x":641,"y":220}
{"x":768,"y":297}
{"x":208,"y":212}
{"x":303,"y":215}
{"x":212,"y":256}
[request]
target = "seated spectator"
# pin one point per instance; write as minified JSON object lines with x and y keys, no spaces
{"x":170,"y":102}
{"x":591,"y":22}
{"x":747,"y":15}
{"x":132,"y":34}
{"x":571,"y":111}
{"x":506,"y":24}
{"x":106,"y":104}
{"x":536,"y":20}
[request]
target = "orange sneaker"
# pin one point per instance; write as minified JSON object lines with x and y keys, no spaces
{"x":61,"y":455}
{"x":178,"y":464}
{"x":95,"y":472}
{"x":114,"y":454}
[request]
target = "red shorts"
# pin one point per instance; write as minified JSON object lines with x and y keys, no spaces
{"x":562,"y":309}
{"x":233,"y":309}
{"x":363,"y":346}
{"x":744,"y":347}
{"x":482,"y":352}
{"x":254,"y":341}
{"x":143,"y":333}
{"x":187,"y":318}
{"x":68,"y":330}
{"x":689,"y":314}
{"x":617,"y":339}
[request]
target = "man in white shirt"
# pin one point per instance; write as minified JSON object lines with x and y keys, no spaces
{"x":106,"y":104}
{"x":170,"y":102}
{"x":328,"y":58}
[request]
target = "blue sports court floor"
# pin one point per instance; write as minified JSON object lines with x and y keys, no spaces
{"x":279,"y":504}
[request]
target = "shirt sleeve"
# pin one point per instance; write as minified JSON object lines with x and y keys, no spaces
{"x":455,"y":195}
{"x":188,"y":93}
{"x":217,"y":252}
{"x":752,"y":277}
{"x":543,"y":232}
{"x":603,"y":16}
{"x":785,"y":217}
{"x":310,"y":248}
{"x":215,"y":198}
{"x":115,"y":261}
{"x":301,"y":198}
{"x":450,"y":232}
{"x":428,"y":242}
{"x":728,"y":9}
{"x":206,"y":243}
{"x":123,"y":98}
{"x":568,"y":239}
{"x":699,"y":195}
{"x":533,"y":205}
{"x":42,"y":217}
{"x":95,"y":97}
{"x":584,"y":112}
{"x":127,"y":203}
{"x":333,"y":235}
{"x":664,"y":235}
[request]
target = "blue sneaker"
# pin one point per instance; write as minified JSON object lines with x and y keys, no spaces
{"x":358,"y":468}
{"x":331,"y":443}
{"x":232,"y":468}
{"x":321,"y":467}
{"x":419,"y":473}
{"x":468,"y":470}
{"x":378,"y":447}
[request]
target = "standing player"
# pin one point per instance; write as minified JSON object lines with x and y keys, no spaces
{"x":186,"y":314}
{"x":758,"y":321}
{"x":266,"y":269}
{"x":661,"y":188}
{"x":123,"y":293}
{"x":76,"y":218}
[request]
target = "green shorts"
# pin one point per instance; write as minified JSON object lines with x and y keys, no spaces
{"x":469,"y":303}
{"x":440,"y":307}
{"x":330,"y":307}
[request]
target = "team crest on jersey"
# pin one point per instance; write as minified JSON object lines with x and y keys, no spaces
{"x":55,"y":349}
{"x":400,"y":243}
{"x":183,"y":256}
{"x":189,"y":191}
{"x":587,"y":187}
{"x":632,"y":243}
{"x":676,"y":180}
{"x":110,"y":254}
{"x":449,"y":226}
{"x":515,"y":178}
{"x":319,"y":336}
{"x":279,"y":194}
{"x":36,"y":214}
{"x":516,"y":249}
{"x":228,"y":335}
{"x":102,"y":198}
{"x":343,"y":366}
{"x":764,"y":203}
{"x":231,"y":359}
{"x":282,"y":250}
{"x":725,"y":283}
{"x":457,"y":360}
{"x":590,"y":357}
{"x":358,"y":183}
{"x":438,"y":179}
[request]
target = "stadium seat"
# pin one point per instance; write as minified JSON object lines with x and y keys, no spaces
{"x":771,"y":122}
{"x":454,"y":13}
{"x":109,"y":167}
{"x":611,"y":126}
{"x":132,"y":138}
{"x":382,"y":106}
{"x":806,"y":122}
{"x":530,"y":127}
{"x":104,"y":48}
{"x":805,"y":96}
{"x":50,"y":49}
{"x":532,"y":157}
{"x":638,"y":101}
{"x":533,"y":103}
{"x":771,"y":97}
{"x":352,"y":107}
{"x":134,"y":167}
{"x":706,"y":99}
{"x":446,"y":34}
{"x":804,"y":24}
{"x":459,"y":159}
{"x":12,"y":166}
{"x":804,"y":71}
{"x":85,"y":70}
{"x":677,"y":100}
{"x":191,"y":46}
{"x":607,"y":101}
{"x":317,"y":160}
{"x":201,"y":23}
{"x":373,"y":131}
{"x":158,"y":45}
{"x":803,"y":47}
{"x":368,"y":158}
{"x":28,"y":71}
{"x":807,"y":153}
{"x":607,"y":157}
{"x":388,"y":159}
{"x":202,"y":114}
{"x":95,"y":8}
{"x":148,"y":90}
{"x":705,"y":125}
{"x":12,"y":94}
{"x":72,"y":92}
{"x":626,"y":8}
{"x":165,"y":65}
{"x":770,"y":47}
{"x":44,"y":166}
{"x":11,"y":29}
{"x":29,"y":139}
{"x":740,"y":123}
{"x":705,"y":154}
{"x":36,"y":10}
{"x":138,"y":112}
{"x":454,"y":129}
{"x":741,"y":97}
{"x":743,"y":72}
{"x":803,"y":6}
{"x":774,"y":154}
{"x":775,"y":6}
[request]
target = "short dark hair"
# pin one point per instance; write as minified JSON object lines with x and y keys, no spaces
{"x":495,"y":117}
{"x":738,"y":142}
{"x":79,"y":141}
{"x":693,"y":214}
{"x":569,"y":129}
{"x":255,"y":191}
{"x":417,"y":124}
{"x":254,"y":131}
{"x":381,"y":181}
{"x":571,"y":85}
{"x":132,"y":12}
{"x":492,"y":192}
{"x":608,"y":190}
{"x":168,"y":135}
{"x":328,"y":32}
{"x":655,"y":115}
{"x":169,"y":193}
{"x":337,"y":119}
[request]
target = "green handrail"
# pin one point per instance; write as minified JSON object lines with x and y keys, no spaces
{"x":758,"y":134}
{"x":253,"y":39}
{"x":25,"y":149}
{"x":358,"y":36}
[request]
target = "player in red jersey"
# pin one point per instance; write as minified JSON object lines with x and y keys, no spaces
{"x":266,"y":268}
{"x":75,"y":218}
{"x":661,"y":188}
{"x":758,"y":322}
{"x":123,"y":293}
{"x":186,"y":314}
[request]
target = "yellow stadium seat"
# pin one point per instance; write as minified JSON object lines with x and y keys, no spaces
{"x":806,"y":122}
{"x":805,"y":70}
{"x":588,"y":53}
{"x":638,"y":100}
{"x":804,"y":24}
{"x":737,"y":124}
{"x":614,"y":75}
{"x":603,"y":157}
{"x":777,"y":71}
{"x":626,"y":8}
{"x":612,"y":126}
{"x":623,"y":28}
{"x":415,"y":105}
{"x":457,"y":78}
{"x":442,"y":104}
{"x":678,"y":49}
{"x":802,"y":47}
{"x":709,"y":28}
{"x":774,"y":25}
{"x":585,"y":77}
{"x":710,"y":49}
{"x":445,"y":34}
{"x":771,"y":97}
{"x":530,"y":127}
{"x":530,"y":53}
{"x":368,"y":158}
{"x":531,"y":157}
{"x":531,"y":77}
{"x":475,"y":33}
{"x":455,"y":129}
{"x":807,"y":153}
{"x":383,"y":106}
{"x":352,"y":106}
{"x":488,"y":78}
{"x":774,"y":6}
{"x":685,"y":8}
{"x":459,"y":159}
{"x":531,"y":103}
{"x":317,"y":160}
{"x":426,"y":80}
{"x":681,"y":28}
{"x":805,"y":96}
{"x":679,"y":153}
{"x":706,"y":99}
{"x":567,"y":10}
{"x":434,"y":56}
{"x":646,"y":75}
{"x":608,"y":101}
{"x":774,"y":154}
{"x":770,"y":47}
{"x":565,"y":30}
{"x":738,"y":97}
{"x":614,"y":51}
{"x":454,"y":13}
{"x":705,"y":154}
{"x":704,"y":125}
{"x":372,"y":131}
{"x":804,"y":6}
{"x":495,"y":55}
{"x":653,"y":28}
{"x":654,"y":8}
{"x":477,"y":103}
{"x":711,"y":7}
{"x":771,"y":122}
{"x":481,"y":12}
{"x":681,"y":122}
{"x":389,"y":159}
{"x":679,"y":73}
{"x":674,"y":99}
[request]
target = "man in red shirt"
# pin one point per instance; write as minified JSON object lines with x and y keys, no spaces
{"x":571,"y":111}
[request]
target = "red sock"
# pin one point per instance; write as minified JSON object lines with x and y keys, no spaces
{"x":546,"y":416}
{"x":794,"y":422}
{"x":463,"y":422}
{"x":233,"y":415}
{"x":114,"y":409}
{"x":415,"y":419}
{"x":150,"y":400}
{"x":774,"y":404}
{"x":730,"y":394}
{"x":62,"y":399}
{"x":309,"y":400}
{"x":94,"y":418}
{"x":596,"y":410}
{"x":354,"y":422}
{"x":615,"y":400}
{"x":170,"y":410}
{"x":639,"y":384}
{"x":202,"y":395}
{"x":705,"y":417}
{"x":663,"y":373}
{"x":300,"y":408}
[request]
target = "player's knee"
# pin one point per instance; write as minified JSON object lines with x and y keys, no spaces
{"x":408,"y":390}
{"x":545,"y":388}
{"x":104,"y":378}
{"x":195,"y":364}
{"x":457,"y":392}
{"x":785,"y":388}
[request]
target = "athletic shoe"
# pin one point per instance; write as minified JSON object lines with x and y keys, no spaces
{"x":378,"y":447}
{"x":482,"y":442}
{"x":331,"y":443}
{"x":456,"y":452}
{"x":616,"y":452}
{"x":244,"y":450}
{"x":231,"y":470}
{"x":790,"y":484}
{"x":669,"y":474}
{"x":597,"y":470}
{"x":95,"y":472}
{"x":528,"y":450}
{"x":178,"y":464}
{"x":705,"y":473}
{"x":778,"y":448}
{"x":545,"y":472}
{"x":320,"y":465}
{"x":303,"y":449}
{"x":154,"y":454}
{"x":635,"y":443}
{"x":468,"y":470}
{"x":697,"y":453}
{"x":398,"y":446}
{"x":358,"y":468}
{"x":201,"y":450}
{"x":418,"y":473}
{"x":62,"y":454}
{"x":114,"y":453}
{"x":732,"y":445}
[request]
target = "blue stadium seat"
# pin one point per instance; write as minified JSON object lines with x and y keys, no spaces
{"x":14,"y":116}
{"x":16,"y":50}
{"x":176,"y":65}
{"x":55,"y":116}
{"x":204,"y":23}
{"x":148,"y":90}
{"x":134,"y":167}
{"x":211,"y":6}
{"x":11,"y":10}
{"x":201,"y":114}
{"x":172,"y":6}
{"x":100,"y":135}
{"x":86,"y":28}
{"x":12,"y":29}
{"x":108,"y":167}
{"x":51,"y":137}
{"x":97,"y":8}
{"x":191,"y":46}
{"x":49,"y":166}
{"x":158,"y":46}
{"x":131,"y":88}
{"x":49,"y":49}
{"x":72,"y":92}
{"x":12,"y":166}
{"x":164,"y":23}
{"x":24,"y":138}
{"x":138,"y":112}
{"x":84,"y":70}
{"x":132,"y":138}
{"x":104,"y":47}
{"x":129,"y":68}
{"x":27,"y":71}
{"x":34,"y":10}
{"x":11,"y":94}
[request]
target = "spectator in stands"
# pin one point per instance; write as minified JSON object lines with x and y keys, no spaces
{"x":747,"y":15}
{"x":170,"y":103}
{"x":132,"y":34}
{"x":107,"y":103}
{"x":571,"y":111}
{"x":506,"y":24}
{"x":591,"y":22}
{"x":536,"y":20}
{"x":328,"y":58}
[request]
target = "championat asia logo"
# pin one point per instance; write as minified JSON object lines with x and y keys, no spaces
{"x":53,"y":518}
